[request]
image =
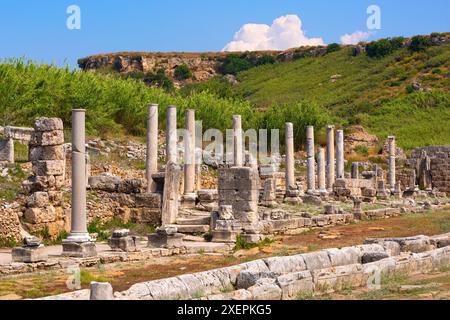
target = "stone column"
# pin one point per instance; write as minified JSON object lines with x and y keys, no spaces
{"x":237,"y":139}
{"x":391,"y":173}
{"x":321,"y":170}
{"x":290,"y":170}
{"x":189,"y":153}
{"x":171,"y":135}
{"x":330,"y":158}
{"x":189,"y":160}
{"x":311,"y":179}
{"x":355,"y":170}
{"x":151,"y":164}
{"x":340,"y":154}
{"x":78,"y":243}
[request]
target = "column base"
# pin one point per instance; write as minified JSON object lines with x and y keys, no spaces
{"x":188,"y":200}
{"x":293,"y":200}
{"x":79,"y":249}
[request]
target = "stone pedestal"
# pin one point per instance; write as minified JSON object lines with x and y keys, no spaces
{"x":29,"y":254}
{"x":228,"y":236}
{"x":101,"y":291}
{"x":357,"y":210}
{"x":269,"y":194}
{"x":188,"y":200}
{"x":355,"y":170}
{"x":79,"y":249}
{"x":122,"y":241}
{"x":166,"y":237}
{"x":381,"y":190}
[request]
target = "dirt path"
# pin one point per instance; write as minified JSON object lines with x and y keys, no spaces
{"x":123,"y":275}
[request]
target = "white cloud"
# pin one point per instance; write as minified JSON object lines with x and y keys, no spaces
{"x":284,"y":33}
{"x":355,"y":37}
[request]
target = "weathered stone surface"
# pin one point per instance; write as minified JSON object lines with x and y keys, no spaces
{"x":373,"y":256}
{"x":283,"y":265}
{"x":131,"y":186}
{"x":38,"y":200}
{"x":40,"y":215}
{"x":49,"y":167}
{"x":104,"y":182}
{"x":316,"y":260}
{"x":123,"y":243}
{"x":224,"y":236}
{"x":344,"y":256}
{"x":295,"y":283}
{"x":148,"y":200}
{"x":337,"y":278}
{"x":170,"y":194}
{"x":79,"y":250}
{"x":36,"y":153}
{"x":265,"y":289}
{"x":48,"y":124}
{"x":101,"y":291}
{"x":47,"y":138}
{"x":29,"y":255}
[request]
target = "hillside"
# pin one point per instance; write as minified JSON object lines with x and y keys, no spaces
{"x":383,"y":94}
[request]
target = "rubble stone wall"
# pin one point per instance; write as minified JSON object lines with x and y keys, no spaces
{"x":125,"y":199}
{"x":10,"y":230}
{"x":440,"y":165}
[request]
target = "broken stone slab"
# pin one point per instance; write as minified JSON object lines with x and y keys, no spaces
{"x":38,"y":200}
{"x":47,"y":138}
{"x":101,"y":291}
{"x":31,"y":241}
{"x":29,"y":254}
{"x":295,"y":283}
{"x":121,"y":240}
{"x":105,"y":182}
{"x":344,"y":256}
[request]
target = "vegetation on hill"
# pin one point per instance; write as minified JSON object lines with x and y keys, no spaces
{"x":391,"y":89}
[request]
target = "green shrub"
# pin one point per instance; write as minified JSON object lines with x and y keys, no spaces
{"x":384,"y":47}
{"x":332,"y":47}
{"x":265,"y":60}
{"x":419,"y":43}
{"x":362,"y":150}
{"x":233,"y":64}
{"x":160,"y":80}
{"x":182,"y":72}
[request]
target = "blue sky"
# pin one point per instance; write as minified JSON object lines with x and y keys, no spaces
{"x":37,"y":29}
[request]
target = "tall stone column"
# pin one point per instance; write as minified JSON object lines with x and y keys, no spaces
{"x":171,"y":135}
{"x":189,"y":160}
{"x":311,"y":170}
{"x":237,"y":137}
{"x":151,"y":164}
{"x":78,"y":243}
{"x":290,"y":170}
{"x":330,"y":158}
{"x":321,"y":171}
{"x":340,"y":154}
{"x":391,"y":173}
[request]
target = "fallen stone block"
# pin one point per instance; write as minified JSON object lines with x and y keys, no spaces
{"x":29,"y":254}
{"x":344,"y":256}
{"x":101,"y":291}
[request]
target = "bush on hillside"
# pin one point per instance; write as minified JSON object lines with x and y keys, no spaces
{"x":333,"y":47}
{"x":233,"y":64}
{"x":419,"y":43}
{"x":264,"y":60}
{"x":159,"y":79}
{"x":384,"y":47}
{"x":182,"y":72}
